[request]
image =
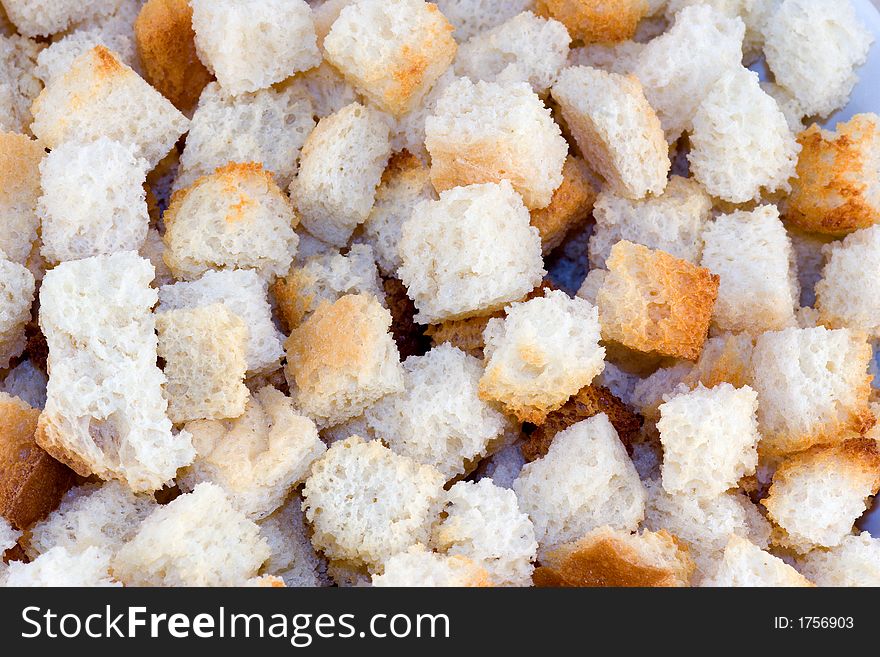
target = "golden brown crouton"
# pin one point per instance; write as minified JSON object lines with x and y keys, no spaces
{"x":596,"y":21}
{"x":571,"y":204}
{"x":652,"y":302}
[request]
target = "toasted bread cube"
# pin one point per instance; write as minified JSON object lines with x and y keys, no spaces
{"x":571,"y":204}
{"x":813,"y":48}
{"x":100,"y":96}
{"x":252,"y":45}
{"x":245,"y":294}
{"x":854,"y":562}
{"x":237,"y":217}
{"x":741,"y":143}
{"x":472,"y":17}
{"x":488,"y":132}
{"x":19,"y":84}
{"x":342,"y":164}
{"x":60,"y":567}
{"x":45,"y":17}
{"x":419,"y":567}
{"x":585,"y":481}
{"x":20,"y":159}
{"x":167,"y":50}
{"x":366,"y":503}
{"x":27,"y":382}
{"x":293,"y":558}
{"x":817,"y":495}
{"x":483,"y":523}
{"x":438,"y":417}
{"x":616,"y":129}
{"x":751,"y":253}
{"x":392,"y":51}
{"x":268,"y":127}
{"x":526,"y":48}
{"x":17,"y":289}
{"x":652,"y":302}
{"x":837,"y":188}
{"x":542,"y":353}
{"x":343,"y":359}
{"x":753,"y":13}
{"x":469,"y":253}
{"x":671,"y":222}
{"x":744,"y":564}
{"x":812,"y":386}
{"x":214,"y":544}
{"x":93,"y":201}
{"x":596,"y":21}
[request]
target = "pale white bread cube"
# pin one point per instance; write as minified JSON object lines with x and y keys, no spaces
{"x":710,"y":439}
{"x":8,"y":535}
{"x":204,"y":353}
{"x":704,"y":524}
{"x":812,"y":386}
{"x":817,"y":495}
{"x":365,"y":503}
{"x":326,"y":277}
{"x":341,"y":166}
{"x":589,"y":289}
{"x":245,"y":294}
{"x":252,"y":45}
{"x":741,"y":143}
{"x":471,"y":252}
{"x":343,"y":359}
{"x":744,"y":564}
{"x":483,"y":523}
{"x":258,"y":458}
{"x":542,"y":353}
{"x":101,"y":96}
{"x":813,"y":48}
{"x":672,"y":222}
{"x":405,"y":182}
{"x":45,"y":17}
{"x":438,"y":417}
{"x":292,"y":558}
{"x":585,"y":481}
{"x":324,"y":14}
{"x":488,"y":132}
{"x":751,"y":253}
{"x":471,"y":17}
{"x":93,"y":200}
{"x":59,"y":567}
{"x":503,"y":467}
{"x":234,"y":218}
{"x":392,"y":51}
{"x":679,"y":67}
{"x":103,"y":516}
{"x":846,"y":296}
{"x":19,"y":84}
{"x":597,"y":21}
{"x":269,"y":126}
{"x":28,"y":382}
{"x":854,"y":562}
{"x":17,"y":291}
{"x":105,"y":413}
{"x":617,"y":58}
{"x":418,"y":566}
{"x":616,"y":129}
{"x":20,"y":158}
{"x":526,"y":48}
{"x":787,"y":104}
{"x":753,"y":13}
{"x":199,"y":539}
{"x":328,"y":91}
{"x":408,"y":131}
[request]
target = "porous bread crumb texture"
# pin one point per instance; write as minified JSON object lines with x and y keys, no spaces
{"x":420,"y":567}
{"x":854,"y":562}
{"x":60,"y":567}
{"x":45,"y":17}
{"x":570,"y":206}
{"x":19,"y":81}
{"x":17,"y":293}
{"x":744,"y":564}
{"x":599,"y":21}
{"x":20,"y":158}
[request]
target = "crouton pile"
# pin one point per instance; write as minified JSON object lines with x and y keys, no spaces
{"x":463,"y":293}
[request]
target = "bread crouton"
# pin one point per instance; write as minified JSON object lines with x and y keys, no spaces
{"x":60,"y":567}
{"x":19,"y":84}
{"x":20,"y":159}
{"x":419,"y":567}
{"x":17,"y":291}
{"x":471,"y":17}
{"x":45,"y":17}
{"x":744,"y":564}
{"x":293,"y":558}
{"x":602,"y":21}
{"x":570,"y":206}
{"x":854,"y":562}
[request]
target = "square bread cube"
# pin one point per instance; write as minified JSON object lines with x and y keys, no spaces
{"x":671,"y":222}
{"x":45,"y":17}
{"x":652,"y":302}
{"x":204,"y":353}
{"x":488,"y":132}
{"x":20,"y":158}
{"x":342,"y":359}
{"x":571,"y":204}
{"x":257,"y":458}
{"x":813,"y":387}
{"x":392,"y":51}
{"x":614,"y":557}
{"x":817,"y":495}
{"x":19,"y":84}
{"x":234,"y":218}
{"x":60,"y":567}
{"x":105,"y":413}
{"x":17,"y":291}
{"x":616,"y":129}
{"x":438,"y":417}
{"x":93,"y":200}
{"x":293,"y":556}
{"x":101,"y":96}
{"x":741,"y":143}
{"x":837,"y":188}
{"x":585,"y":481}
{"x":710,"y":439}
{"x":341,"y":166}
{"x":752,"y":254}
{"x":422,"y":568}
{"x":855,"y":562}
{"x":214,"y":544}
{"x":744,"y":564}
{"x":542,"y":353}
{"x":471,"y":252}
{"x":365,"y":503}
{"x":596,"y":21}
{"x":252,"y":45}
{"x":471,"y":17}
